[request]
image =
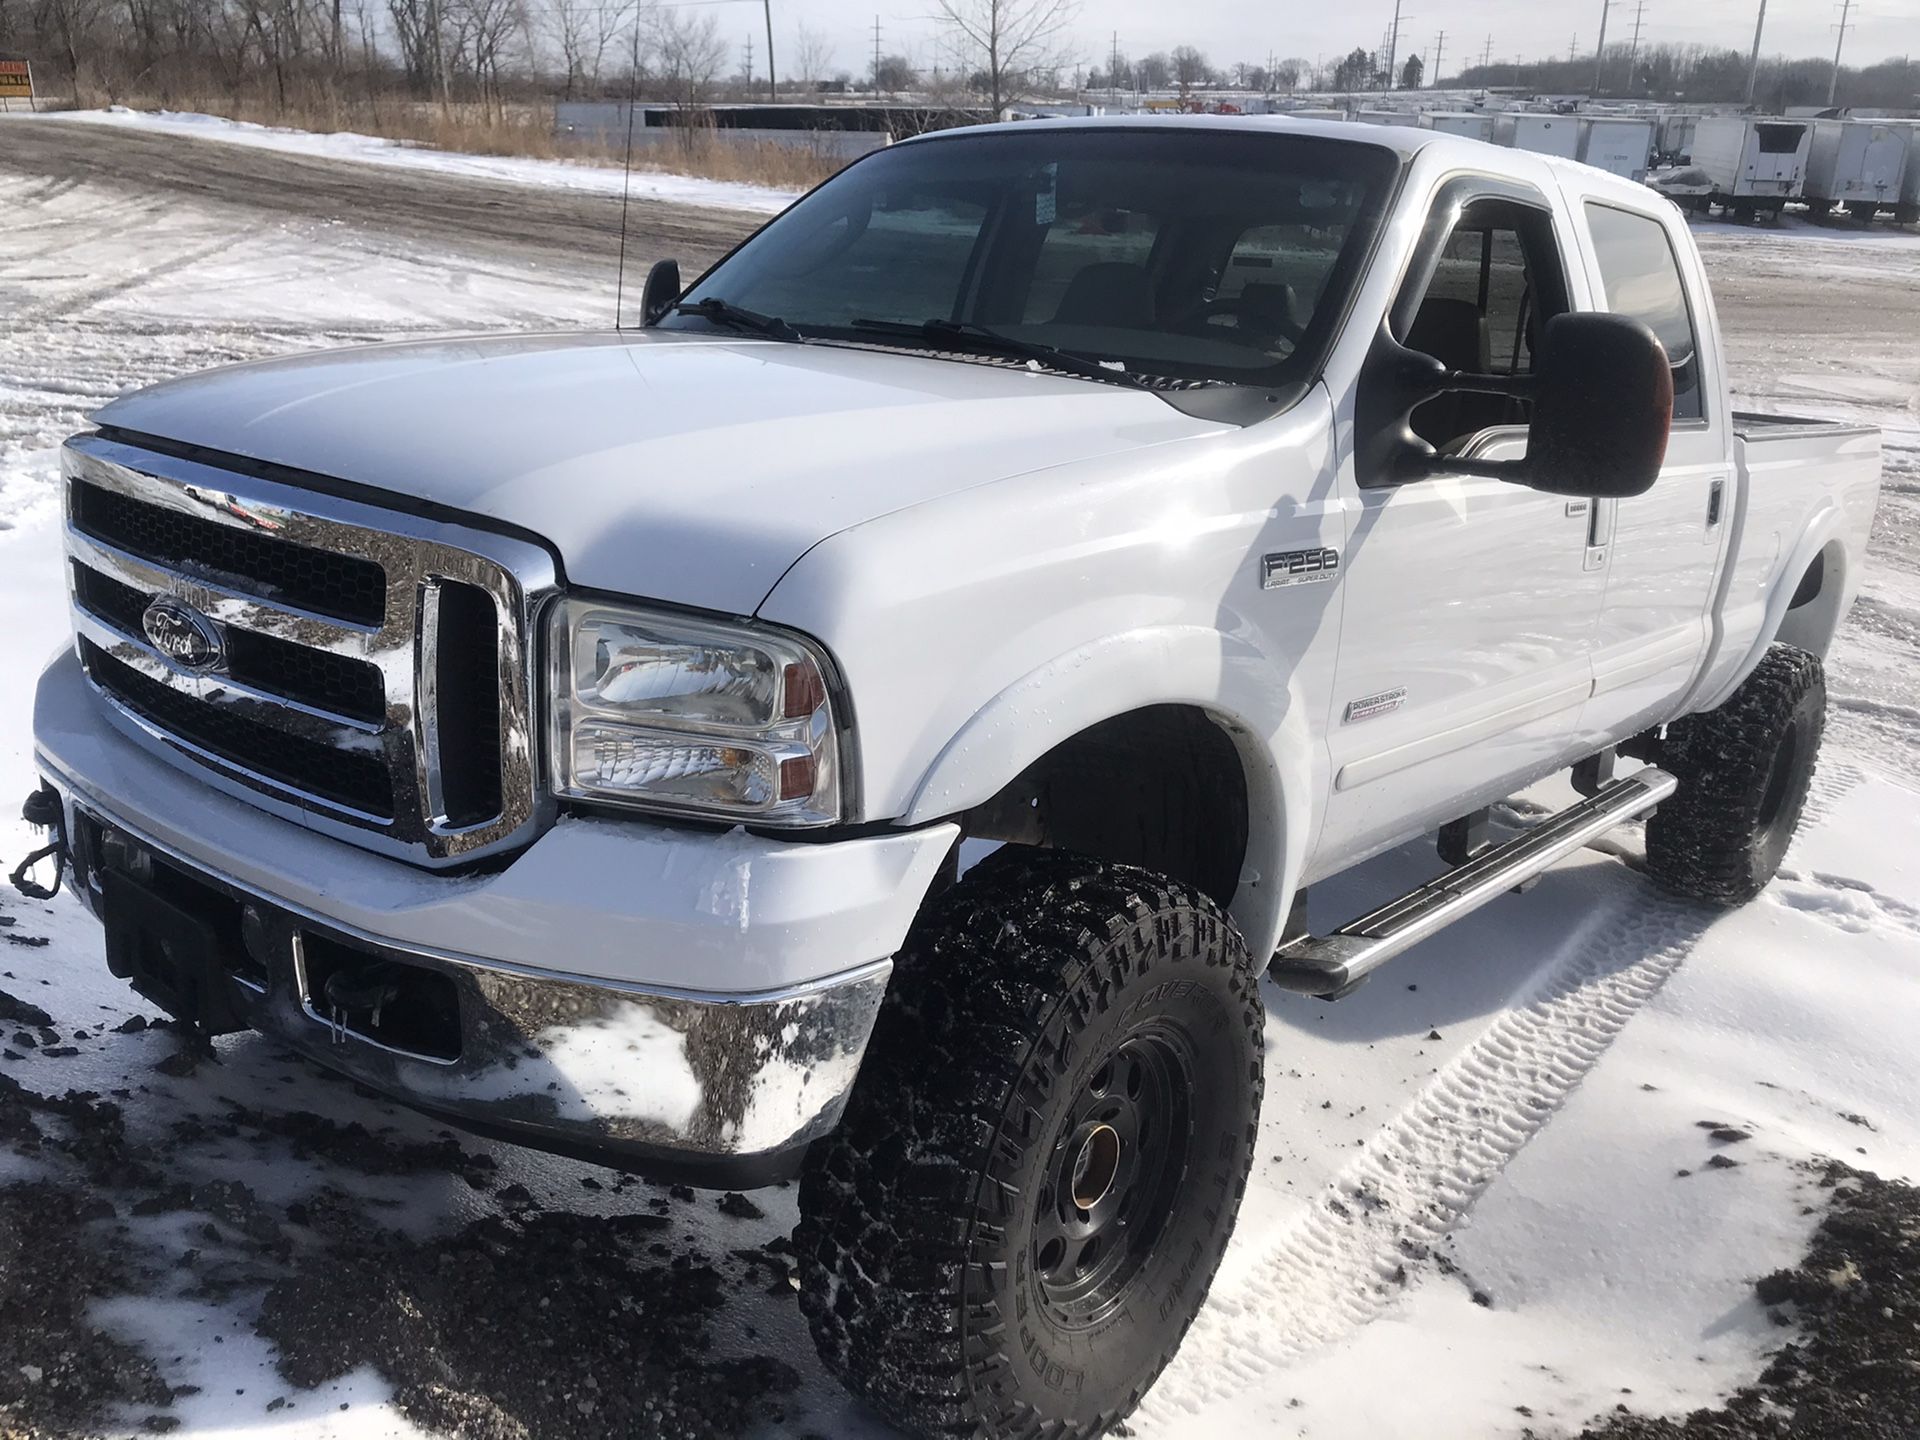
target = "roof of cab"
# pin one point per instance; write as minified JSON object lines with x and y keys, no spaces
{"x":1405,"y":141}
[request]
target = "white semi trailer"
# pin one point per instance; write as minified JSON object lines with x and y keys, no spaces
{"x":1856,"y":164}
{"x":1755,"y":163}
{"x":1542,"y":134}
{"x":1619,"y":144}
{"x":1470,"y":123}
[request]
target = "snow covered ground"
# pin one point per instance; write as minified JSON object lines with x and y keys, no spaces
{"x":1469,"y":1217}
{"x":644,"y":184}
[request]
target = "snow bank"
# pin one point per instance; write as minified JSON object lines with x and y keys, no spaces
{"x":373,"y":150}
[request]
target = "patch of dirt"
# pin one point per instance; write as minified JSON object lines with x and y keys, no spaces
{"x":531,"y":1327}
{"x":1854,"y":1373}
{"x":58,"y":1374}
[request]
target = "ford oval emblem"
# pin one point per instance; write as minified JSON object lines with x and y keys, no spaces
{"x":183,"y":635}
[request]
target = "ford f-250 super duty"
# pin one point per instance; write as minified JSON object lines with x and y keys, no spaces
{"x":574,"y":735}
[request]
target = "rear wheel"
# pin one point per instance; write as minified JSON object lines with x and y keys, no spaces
{"x":1038,"y":1172}
{"x":1744,"y":773}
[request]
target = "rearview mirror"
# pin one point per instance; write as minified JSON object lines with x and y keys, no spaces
{"x":1602,"y":404}
{"x":662,"y":289}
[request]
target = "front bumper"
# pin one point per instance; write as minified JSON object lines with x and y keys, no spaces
{"x":568,"y":1032}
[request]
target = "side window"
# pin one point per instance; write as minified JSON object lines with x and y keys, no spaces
{"x":1497,"y":279}
{"x":1642,"y":279}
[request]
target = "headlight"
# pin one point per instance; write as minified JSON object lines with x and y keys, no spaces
{"x":687,"y":717}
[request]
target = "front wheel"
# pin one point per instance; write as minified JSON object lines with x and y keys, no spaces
{"x":1744,"y":772}
{"x":1038,"y":1172}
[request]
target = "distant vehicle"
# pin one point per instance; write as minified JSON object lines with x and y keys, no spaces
{"x":1756,"y":165}
{"x":1618,"y":144}
{"x":1856,"y":164}
{"x":1540,"y":134}
{"x":575,"y":736}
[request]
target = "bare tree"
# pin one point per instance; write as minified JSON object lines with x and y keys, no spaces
{"x":1190,"y":70}
{"x":689,"y":55}
{"x":1155,"y":72}
{"x":583,"y":30}
{"x":1006,"y":43}
{"x":812,"y":56}
{"x":1289,"y":73}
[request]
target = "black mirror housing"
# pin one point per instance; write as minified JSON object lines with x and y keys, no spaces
{"x":1602,"y":405}
{"x":661,"y":291}
{"x":1602,"y":408}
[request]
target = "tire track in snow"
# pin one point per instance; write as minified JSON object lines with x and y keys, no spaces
{"x":1344,"y":1263}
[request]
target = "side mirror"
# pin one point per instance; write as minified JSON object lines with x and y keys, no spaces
{"x":1602,"y":408}
{"x":1602,"y":397}
{"x":661,"y":291}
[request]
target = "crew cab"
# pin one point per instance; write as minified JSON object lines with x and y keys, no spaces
{"x":575,"y":736}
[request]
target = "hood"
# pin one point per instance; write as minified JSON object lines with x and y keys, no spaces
{"x":686,"y":468}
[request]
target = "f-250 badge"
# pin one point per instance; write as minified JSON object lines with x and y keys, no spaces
{"x":1298,"y":567}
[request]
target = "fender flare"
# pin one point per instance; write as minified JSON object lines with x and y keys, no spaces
{"x":1118,"y":674}
{"x":1820,"y":530}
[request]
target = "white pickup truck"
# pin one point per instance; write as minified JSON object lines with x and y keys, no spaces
{"x":575,"y":736}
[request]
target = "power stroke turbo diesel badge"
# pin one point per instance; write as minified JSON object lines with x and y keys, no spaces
{"x":1298,"y":567}
{"x":183,"y":635}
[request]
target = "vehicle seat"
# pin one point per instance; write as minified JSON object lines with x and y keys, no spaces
{"x":1274,"y":300}
{"x":1454,"y":332}
{"x":1111,"y":293}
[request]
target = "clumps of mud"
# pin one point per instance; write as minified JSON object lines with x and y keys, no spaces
{"x":58,"y":1373}
{"x":525,"y":1325}
{"x":534,"y":1327}
{"x":1854,"y":1373}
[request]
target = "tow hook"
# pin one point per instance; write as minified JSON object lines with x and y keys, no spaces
{"x":366,"y":992}
{"x":43,"y":811}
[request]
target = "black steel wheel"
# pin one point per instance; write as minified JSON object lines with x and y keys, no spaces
{"x":1036,"y":1177}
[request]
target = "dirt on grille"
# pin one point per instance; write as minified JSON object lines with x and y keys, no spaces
{"x":1853,"y":1304}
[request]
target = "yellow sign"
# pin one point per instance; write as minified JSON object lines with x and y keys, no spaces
{"x":16,"y":80}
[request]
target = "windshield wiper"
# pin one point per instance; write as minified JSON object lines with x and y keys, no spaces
{"x":725,"y":312}
{"x":967,"y":335}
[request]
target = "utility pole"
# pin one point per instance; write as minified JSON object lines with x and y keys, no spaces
{"x":1753,"y":65}
{"x":1439,"y":49}
{"x":773,"y":85}
{"x":876,"y":54}
{"x":1633,"y":51}
{"x":1393,"y":45}
{"x":1573,"y":46}
{"x":1486,"y":56}
{"x":1600,"y":51}
{"x":1113,"y":68}
{"x":748,"y":62}
{"x":1833,"y":85}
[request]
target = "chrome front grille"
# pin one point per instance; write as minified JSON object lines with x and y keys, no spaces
{"x":363,"y":671}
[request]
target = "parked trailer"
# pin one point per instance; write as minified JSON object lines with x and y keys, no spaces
{"x":1619,"y":144}
{"x":1855,"y":163}
{"x":1674,"y":137}
{"x":1908,"y":210}
{"x":1470,"y":123}
{"x":1756,"y":163}
{"x":1542,"y":134}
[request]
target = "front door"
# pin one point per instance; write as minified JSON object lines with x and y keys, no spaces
{"x":1470,"y":603}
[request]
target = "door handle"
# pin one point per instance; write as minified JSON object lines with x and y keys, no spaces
{"x":1599,"y":533}
{"x":1715,"y":494}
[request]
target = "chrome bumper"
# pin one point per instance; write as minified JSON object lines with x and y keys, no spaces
{"x":723,"y":1090}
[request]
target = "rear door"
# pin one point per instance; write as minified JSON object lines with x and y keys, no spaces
{"x":1662,"y":548}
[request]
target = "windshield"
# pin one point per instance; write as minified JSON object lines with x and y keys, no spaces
{"x":1197,"y":255}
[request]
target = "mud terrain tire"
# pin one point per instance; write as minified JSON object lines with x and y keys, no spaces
{"x":1059,"y":1030}
{"x":1744,"y":771}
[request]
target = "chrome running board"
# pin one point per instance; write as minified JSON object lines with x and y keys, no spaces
{"x":1331,"y":965}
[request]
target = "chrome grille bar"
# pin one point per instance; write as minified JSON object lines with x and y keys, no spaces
{"x":205,"y":719}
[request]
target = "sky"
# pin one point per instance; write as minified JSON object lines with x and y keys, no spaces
{"x":1231,"y":30}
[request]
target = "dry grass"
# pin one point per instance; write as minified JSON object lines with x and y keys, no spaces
{"x":523,"y":129}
